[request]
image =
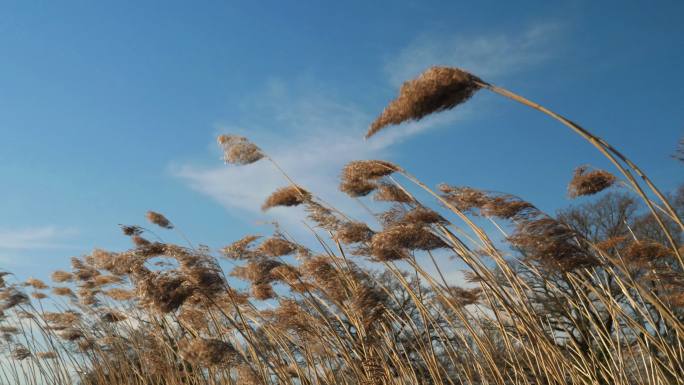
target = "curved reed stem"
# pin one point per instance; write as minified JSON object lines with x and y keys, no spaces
{"x":613,"y":155}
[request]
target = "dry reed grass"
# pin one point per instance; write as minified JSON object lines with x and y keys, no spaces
{"x":590,"y":296}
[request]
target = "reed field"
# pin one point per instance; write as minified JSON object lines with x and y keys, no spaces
{"x":592,"y":294}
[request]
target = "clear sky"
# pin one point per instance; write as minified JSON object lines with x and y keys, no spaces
{"x":108,"y":109}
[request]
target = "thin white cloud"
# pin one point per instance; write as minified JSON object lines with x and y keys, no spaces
{"x":42,"y":237}
{"x":315,"y":138}
{"x":491,"y":55}
{"x":312,"y":136}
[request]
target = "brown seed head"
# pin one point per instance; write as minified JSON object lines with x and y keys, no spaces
{"x":508,"y":207}
{"x":139,"y":241}
{"x":394,"y":242}
{"x":9,"y":329}
{"x":38,"y":295}
{"x":63,"y":291}
{"x":12,"y":298}
{"x":238,"y":150}
{"x":119,"y":294}
{"x":465,"y":199}
{"x":464,"y":297}
{"x":36,"y":283}
{"x":103,"y":259}
{"x":368,"y":302}
{"x":423,"y":215}
{"x":71,"y":334}
{"x":436,"y":89}
{"x":241,"y":249}
{"x":66,"y":318}
{"x":389,"y":192}
{"x":262,"y":291}
{"x":257,"y":271}
{"x":586,"y":182}
{"x":645,"y":251}
{"x":359,"y":178}
{"x":551,"y":243}
{"x":20,"y":353}
{"x":277,"y":247}
{"x":103,"y":280}
{"x":164,"y":292}
{"x":131,"y":230}
{"x":286,"y":196}
{"x":322,"y":216}
{"x":326,"y":276}
{"x":158,"y":219}
{"x":46,"y":355}
{"x":286,"y":273}
{"x":612,"y":243}
{"x":112,"y":316}
{"x":354,"y":232}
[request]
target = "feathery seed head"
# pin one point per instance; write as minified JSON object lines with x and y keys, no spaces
{"x":238,"y":150}
{"x":551,"y":243}
{"x":322,"y":216}
{"x":586,"y":182}
{"x":423,"y":215}
{"x":36,"y":283}
{"x":71,"y":334}
{"x":63,"y":291}
{"x":112,"y":316}
{"x":277,"y":247}
{"x":286,"y":273}
{"x":353,"y":232}
{"x":436,"y":89}
{"x":508,"y":207}
{"x":103,"y":280}
{"x":119,"y":294}
{"x":389,"y":192}
{"x":12,"y":297}
{"x":139,"y":241}
{"x":46,"y":355}
{"x":394,"y":242}
{"x":262,"y":291}
{"x":286,"y":196}
{"x":158,"y":219}
{"x":360,"y":177}
{"x":257,"y":271}
{"x":241,"y":249}
{"x":645,"y":251}
{"x":20,"y":353}
{"x":131,"y":230}
{"x":465,"y":199}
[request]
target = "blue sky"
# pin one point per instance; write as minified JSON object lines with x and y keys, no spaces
{"x":108,"y":109}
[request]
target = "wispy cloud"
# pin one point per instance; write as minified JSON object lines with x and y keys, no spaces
{"x":490,"y":55}
{"x":316,"y":137}
{"x":42,"y":237}
{"x":17,"y":243}
{"x":312,"y":135}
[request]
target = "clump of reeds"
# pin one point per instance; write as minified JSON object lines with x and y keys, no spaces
{"x":592,"y":295}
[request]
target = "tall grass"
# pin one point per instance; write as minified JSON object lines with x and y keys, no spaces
{"x":591,"y":296}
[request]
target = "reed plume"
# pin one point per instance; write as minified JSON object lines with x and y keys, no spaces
{"x":436,"y":89}
{"x":158,"y":219}
{"x":359,"y":178}
{"x":286,"y":196}
{"x":238,"y":150}
{"x":585,"y":182}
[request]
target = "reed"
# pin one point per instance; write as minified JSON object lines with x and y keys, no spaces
{"x":592,"y":295}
